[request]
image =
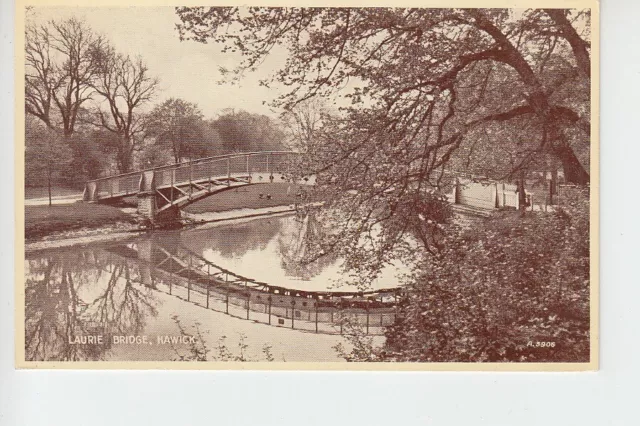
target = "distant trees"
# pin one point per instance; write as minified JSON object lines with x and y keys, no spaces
{"x":242,"y":131}
{"x":303,"y":121}
{"x":125,"y":85}
{"x":60,"y":59}
{"x":77,"y":85}
{"x":46,"y":155}
{"x":179,"y":126}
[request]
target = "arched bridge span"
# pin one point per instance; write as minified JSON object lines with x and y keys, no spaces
{"x":162,"y":191}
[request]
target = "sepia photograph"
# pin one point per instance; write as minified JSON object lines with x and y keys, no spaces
{"x":279,"y":187}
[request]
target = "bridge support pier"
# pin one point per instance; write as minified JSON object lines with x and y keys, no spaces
{"x":148,"y":203}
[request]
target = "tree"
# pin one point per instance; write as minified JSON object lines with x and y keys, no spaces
{"x":242,"y":131}
{"x":411,"y":62}
{"x":46,"y":155}
{"x":178,"y":124}
{"x":424,"y":86}
{"x":498,"y":291}
{"x":125,"y":85}
{"x":421,"y":83}
{"x":303,"y":122}
{"x":60,"y":59}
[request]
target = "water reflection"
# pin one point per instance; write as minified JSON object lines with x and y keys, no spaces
{"x":118,"y":289}
{"x":81,"y":293}
{"x":298,"y":244}
{"x":275,"y":251}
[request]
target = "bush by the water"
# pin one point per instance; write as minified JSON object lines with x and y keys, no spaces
{"x":513,"y":289}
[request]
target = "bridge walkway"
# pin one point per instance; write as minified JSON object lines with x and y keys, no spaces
{"x":168,"y":188}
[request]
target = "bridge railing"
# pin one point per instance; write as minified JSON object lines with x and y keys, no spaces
{"x":195,"y":170}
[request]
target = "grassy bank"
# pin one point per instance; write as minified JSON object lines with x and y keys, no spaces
{"x":44,"y":220}
{"x":273,"y":194}
{"x":43,"y":192}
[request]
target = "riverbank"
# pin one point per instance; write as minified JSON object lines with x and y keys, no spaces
{"x":69,"y":214}
{"x":121,"y":230}
{"x":42,"y":221}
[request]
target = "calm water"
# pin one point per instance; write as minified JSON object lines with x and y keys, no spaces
{"x":97,"y":291}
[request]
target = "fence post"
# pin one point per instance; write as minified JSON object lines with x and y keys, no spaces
{"x":395,"y":313}
{"x":504,"y":196}
{"x":248,"y":303}
{"x":367,"y":316}
{"x":211,"y":174}
{"x":227,"y":301}
{"x":207,"y":295}
{"x":228,"y":172}
{"x":341,"y":316}
{"x":269,"y":300}
{"x":316,"y":316}
{"x":293,"y":312}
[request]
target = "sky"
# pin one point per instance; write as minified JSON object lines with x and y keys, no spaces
{"x":186,"y":70}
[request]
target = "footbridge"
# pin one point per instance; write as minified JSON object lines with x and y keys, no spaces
{"x":162,"y":191}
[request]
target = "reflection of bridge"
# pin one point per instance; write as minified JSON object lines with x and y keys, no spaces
{"x":162,"y":191}
{"x":179,"y":272}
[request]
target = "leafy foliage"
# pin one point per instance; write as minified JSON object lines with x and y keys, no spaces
{"x":46,"y":155}
{"x":179,"y":125}
{"x":199,"y":351}
{"x":424,"y":86}
{"x":424,"y":77}
{"x":242,"y":131}
{"x":502,"y":293}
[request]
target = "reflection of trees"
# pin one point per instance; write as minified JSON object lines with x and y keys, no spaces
{"x":299,"y":245}
{"x":234,"y":240}
{"x":80,"y":294}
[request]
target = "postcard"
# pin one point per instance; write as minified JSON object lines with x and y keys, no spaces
{"x":307,"y":186}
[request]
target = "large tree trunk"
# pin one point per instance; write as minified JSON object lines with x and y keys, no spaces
{"x":574,"y":171}
{"x":125,"y":159}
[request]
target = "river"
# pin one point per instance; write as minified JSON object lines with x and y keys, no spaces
{"x":139,"y":299}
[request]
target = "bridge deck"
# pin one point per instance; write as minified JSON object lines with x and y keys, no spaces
{"x":220,"y":171}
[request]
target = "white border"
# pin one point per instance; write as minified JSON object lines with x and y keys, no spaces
{"x":335,"y":398}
